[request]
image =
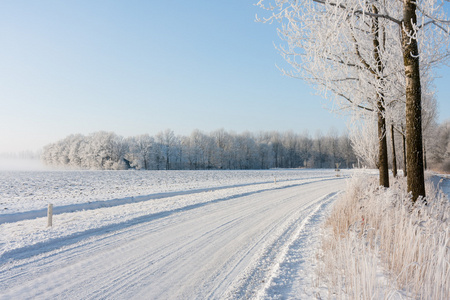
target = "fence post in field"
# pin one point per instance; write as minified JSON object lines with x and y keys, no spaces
{"x":50,"y":215}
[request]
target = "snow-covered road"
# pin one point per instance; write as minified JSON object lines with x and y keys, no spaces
{"x":256,"y":245}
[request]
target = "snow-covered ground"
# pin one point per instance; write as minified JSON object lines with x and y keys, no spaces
{"x":162,"y":234}
{"x":205,"y":234}
{"x":29,"y":191}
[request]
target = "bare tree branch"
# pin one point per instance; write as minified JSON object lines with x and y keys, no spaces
{"x":361,"y":12}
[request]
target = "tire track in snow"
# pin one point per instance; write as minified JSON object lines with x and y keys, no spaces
{"x":279,"y":270}
{"x":259,"y":276}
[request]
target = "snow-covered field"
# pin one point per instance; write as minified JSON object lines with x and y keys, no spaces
{"x":29,"y":191}
{"x":171,"y":235}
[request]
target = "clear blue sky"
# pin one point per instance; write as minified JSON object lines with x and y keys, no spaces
{"x":137,"y":67}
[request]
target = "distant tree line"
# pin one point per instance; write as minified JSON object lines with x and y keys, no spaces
{"x":199,"y":151}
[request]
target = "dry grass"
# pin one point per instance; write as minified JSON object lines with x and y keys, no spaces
{"x":379,"y":246}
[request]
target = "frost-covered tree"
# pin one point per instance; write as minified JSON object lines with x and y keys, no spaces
{"x":306,"y":148}
{"x":221,"y":140}
{"x":346,"y":150}
{"x":320,"y":148}
{"x":349,"y":49}
{"x":195,"y":147}
{"x":246,"y":151}
{"x":77,"y":143}
{"x":290,"y":144}
{"x":264,"y":150}
{"x":275,"y":142}
{"x":344,"y":56}
{"x":363,"y":136}
{"x":166,"y":141}
{"x":333,"y":146}
{"x":141,"y":151}
{"x":106,"y":151}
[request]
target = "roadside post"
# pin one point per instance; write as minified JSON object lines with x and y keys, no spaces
{"x":50,"y":215}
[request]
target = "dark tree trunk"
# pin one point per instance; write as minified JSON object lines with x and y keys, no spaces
{"x":414,"y":149}
{"x":404,"y":156}
{"x":167,"y":163}
{"x":394,"y":157}
{"x":383,"y":164}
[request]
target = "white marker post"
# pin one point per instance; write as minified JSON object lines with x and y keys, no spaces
{"x":50,"y":215}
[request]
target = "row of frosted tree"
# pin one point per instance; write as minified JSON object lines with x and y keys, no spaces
{"x":216,"y":150}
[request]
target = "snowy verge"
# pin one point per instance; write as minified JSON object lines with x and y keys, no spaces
{"x":379,"y":245}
